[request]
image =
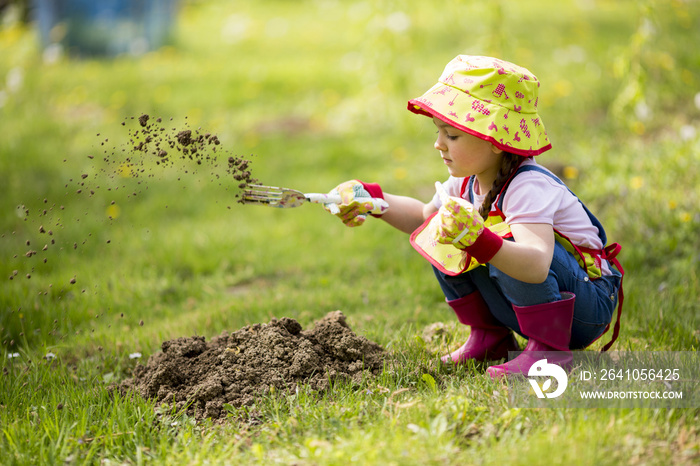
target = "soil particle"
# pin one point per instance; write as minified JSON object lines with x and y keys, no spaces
{"x":151,"y":148}
{"x":237,"y":368}
{"x":184,"y":137}
{"x":153,"y":139}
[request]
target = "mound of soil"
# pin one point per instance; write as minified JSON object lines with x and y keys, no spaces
{"x":235,"y":368}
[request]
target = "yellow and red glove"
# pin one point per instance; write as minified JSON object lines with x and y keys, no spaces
{"x":461,"y":225}
{"x":357,"y":200}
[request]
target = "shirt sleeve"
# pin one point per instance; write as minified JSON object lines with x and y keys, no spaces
{"x":453,"y":186}
{"x":533,"y":198}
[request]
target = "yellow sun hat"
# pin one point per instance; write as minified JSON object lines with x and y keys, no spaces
{"x":491,"y":99}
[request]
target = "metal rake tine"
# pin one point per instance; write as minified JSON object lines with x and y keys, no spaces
{"x":250,"y":196}
{"x":247,"y":200}
{"x":264,"y":189}
{"x":273,"y":196}
{"x":262,"y":193}
{"x":259,"y":200}
{"x":263,"y":196}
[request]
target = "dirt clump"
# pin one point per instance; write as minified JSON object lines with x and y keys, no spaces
{"x":237,"y":368}
{"x":153,"y":138}
{"x":155,"y":149}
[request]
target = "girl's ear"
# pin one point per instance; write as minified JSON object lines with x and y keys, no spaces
{"x":496,"y":150}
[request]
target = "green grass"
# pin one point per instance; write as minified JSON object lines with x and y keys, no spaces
{"x":316,"y":102}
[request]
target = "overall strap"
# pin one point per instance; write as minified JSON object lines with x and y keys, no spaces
{"x":537,"y":168}
{"x":467,"y":187}
{"x":609,"y":252}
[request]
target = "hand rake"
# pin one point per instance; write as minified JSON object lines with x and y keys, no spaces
{"x":272,"y":196}
{"x":284,"y":198}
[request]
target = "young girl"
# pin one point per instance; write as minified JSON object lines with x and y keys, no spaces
{"x":512,"y":248}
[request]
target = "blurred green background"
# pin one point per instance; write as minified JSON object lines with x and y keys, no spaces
{"x":314,"y":92}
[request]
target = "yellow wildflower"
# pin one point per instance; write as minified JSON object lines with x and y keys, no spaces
{"x":570,"y":172}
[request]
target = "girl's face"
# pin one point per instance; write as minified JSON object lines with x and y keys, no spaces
{"x":467,"y":155}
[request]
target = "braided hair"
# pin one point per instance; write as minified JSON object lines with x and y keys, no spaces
{"x":509,"y":163}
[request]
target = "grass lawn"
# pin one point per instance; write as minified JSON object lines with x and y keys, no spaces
{"x":314,"y":93}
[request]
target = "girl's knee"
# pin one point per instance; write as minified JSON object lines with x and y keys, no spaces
{"x":526,"y":294}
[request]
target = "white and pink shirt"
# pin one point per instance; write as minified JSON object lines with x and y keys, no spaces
{"x":534,"y":197}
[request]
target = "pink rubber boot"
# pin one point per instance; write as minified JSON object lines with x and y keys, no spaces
{"x":548,"y":327}
{"x":489,"y":339}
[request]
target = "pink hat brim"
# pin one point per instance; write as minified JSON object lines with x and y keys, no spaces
{"x":442,"y":100}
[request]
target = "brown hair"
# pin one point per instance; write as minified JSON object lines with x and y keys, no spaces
{"x":509,"y":163}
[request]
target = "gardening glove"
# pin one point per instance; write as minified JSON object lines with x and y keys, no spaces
{"x":357,"y":199}
{"x":461,"y":225}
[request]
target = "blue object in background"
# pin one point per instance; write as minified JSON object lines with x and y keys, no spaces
{"x":105,"y":27}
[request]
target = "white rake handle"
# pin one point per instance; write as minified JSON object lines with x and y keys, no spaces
{"x":319,"y":198}
{"x":332,"y":201}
